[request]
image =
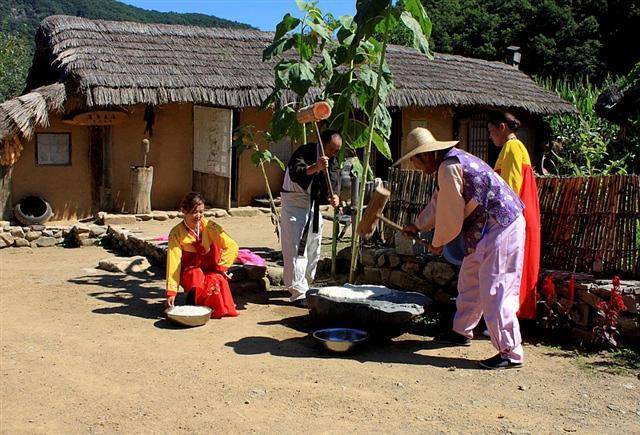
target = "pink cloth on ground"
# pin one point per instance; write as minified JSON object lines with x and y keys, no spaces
{"x":245,"y":256}
{"x":489,"y":285}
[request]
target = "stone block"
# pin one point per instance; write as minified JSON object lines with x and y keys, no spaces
{"x":46,"y":241}
{"x":371,"y":275}
{"x":86,"y":242}
{"x":6,"y":239}
{"x":144,"y":216}
{"x":220,"y":213}
{"x":394,"y":261}
{"x":255,"y":272}
{"x":409,"y":282}
{"x":32,"y":235}
{"x":629,"y":325}
{"x":158,"y":216}
{"x":21,"y":242}
{"x":96,"y":230}
{"x":632,"y":302}
{"x":135,"y":264}
{"x":275,"y":275}
{"x":404,"y":245}
{"x":244,"y":212}
{"x":37,"y":227}
{"x":4,"y":224}
{"x":439,"y":272}
{"x":411,"y":267}
{"x":369,"y":257}
{"x":119,"y":219}
{"x":172,"y":214}
{"x":47,"y":233}
{"x":17,"y":232}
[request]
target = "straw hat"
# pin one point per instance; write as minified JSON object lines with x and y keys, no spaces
{"x":420,"y":140}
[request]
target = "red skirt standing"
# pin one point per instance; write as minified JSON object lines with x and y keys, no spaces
{"x":531,"y":266}
{"x":200,"y":272}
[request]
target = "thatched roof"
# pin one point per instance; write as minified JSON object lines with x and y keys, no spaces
{"x":111,"y":63}
{"x":24,"y":113}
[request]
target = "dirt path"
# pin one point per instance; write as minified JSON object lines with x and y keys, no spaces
{"x":86,"y":351}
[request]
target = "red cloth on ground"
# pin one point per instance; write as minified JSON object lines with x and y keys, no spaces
{"x":531,"y":266}
{"x":201,"y":272}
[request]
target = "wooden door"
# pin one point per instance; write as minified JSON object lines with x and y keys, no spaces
{"x":212,"y":157}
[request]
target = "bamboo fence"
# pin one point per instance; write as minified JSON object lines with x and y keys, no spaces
{"x":589,"y":224}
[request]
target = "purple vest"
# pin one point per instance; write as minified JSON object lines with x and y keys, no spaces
{"x":495,"y":198}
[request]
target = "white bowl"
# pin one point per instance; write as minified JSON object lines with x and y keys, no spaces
{"x":180,"y":316}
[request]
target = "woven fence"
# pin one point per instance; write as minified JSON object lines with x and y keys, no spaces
{"x":589,"y":224}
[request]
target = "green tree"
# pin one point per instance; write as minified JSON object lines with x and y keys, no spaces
{"x":14,"y":63}
{"x":558,"y":38}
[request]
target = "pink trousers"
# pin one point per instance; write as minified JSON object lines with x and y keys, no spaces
{"x":489,"y":285}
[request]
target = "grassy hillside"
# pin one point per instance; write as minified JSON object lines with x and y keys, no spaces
{"x":20,"y":18}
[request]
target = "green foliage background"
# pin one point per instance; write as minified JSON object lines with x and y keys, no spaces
{"x":558,"y":38}
{"x":19,"y":20}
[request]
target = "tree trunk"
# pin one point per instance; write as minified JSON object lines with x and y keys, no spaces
{"x":140,"y":180}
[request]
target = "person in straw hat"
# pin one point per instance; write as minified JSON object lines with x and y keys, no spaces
{"x":473,"y":201}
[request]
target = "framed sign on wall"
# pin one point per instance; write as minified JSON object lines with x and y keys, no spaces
{"x":53,"y":149}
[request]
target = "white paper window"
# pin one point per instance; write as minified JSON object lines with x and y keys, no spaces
{"x":53,"y":149}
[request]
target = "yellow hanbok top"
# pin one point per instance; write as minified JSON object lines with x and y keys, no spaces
{"x":182,"y":239}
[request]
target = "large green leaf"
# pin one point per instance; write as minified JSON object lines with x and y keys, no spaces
{"x":320,"y":29}
{"x":420,"y":41}
{"x":381,"y":145}
{"x":301,"y":75}
{"x":415,"y":8}
{"x":305,"y":44}
{"x":383,"y":121}
{"x":368,"y":14}
{"x":277,"y":47}
{"x":287,"y":24}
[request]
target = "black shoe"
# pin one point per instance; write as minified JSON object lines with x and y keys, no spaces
{"x":452,"y":338}
{"x":301,"y":303}
{"x":498,"y":362}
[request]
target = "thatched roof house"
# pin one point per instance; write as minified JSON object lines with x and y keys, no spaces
{"x":86,"y":65}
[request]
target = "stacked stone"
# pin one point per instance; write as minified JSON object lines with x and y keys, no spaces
{"x":127,"y":243}
{"x":40,"y":236}
{"x":424,"y":274}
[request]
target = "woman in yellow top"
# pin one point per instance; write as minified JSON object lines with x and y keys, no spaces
{"x":199,"y":254}
{"x":514,"y":166}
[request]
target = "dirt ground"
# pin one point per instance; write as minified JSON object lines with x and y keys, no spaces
{"x":88,"y":351}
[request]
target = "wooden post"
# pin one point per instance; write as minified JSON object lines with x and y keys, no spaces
{"x":6,"y":208}
{"x":140,"y":181}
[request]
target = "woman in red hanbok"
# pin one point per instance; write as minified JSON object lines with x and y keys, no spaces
{"x":514,"y":166}
{"x":199,"y":254}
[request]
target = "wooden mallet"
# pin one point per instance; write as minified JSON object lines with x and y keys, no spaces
{"x":373,"y":213}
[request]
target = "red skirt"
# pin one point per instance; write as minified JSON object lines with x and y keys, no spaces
{"x":200,"y":273}
{"x":531,"y":265}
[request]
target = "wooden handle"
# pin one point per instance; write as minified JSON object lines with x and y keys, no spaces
{"x":326,"y":170}
{"x":395,"y":226}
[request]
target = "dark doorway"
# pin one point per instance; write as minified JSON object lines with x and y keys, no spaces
{"x":235,"y":159}
{"x":100,"y":160}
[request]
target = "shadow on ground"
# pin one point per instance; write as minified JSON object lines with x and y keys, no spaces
{"x":376,"y":350}
{"x":392,"y":352}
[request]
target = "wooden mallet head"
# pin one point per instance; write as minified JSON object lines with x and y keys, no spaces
{"x":314,"y":113}
{"x":373,"y":212}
